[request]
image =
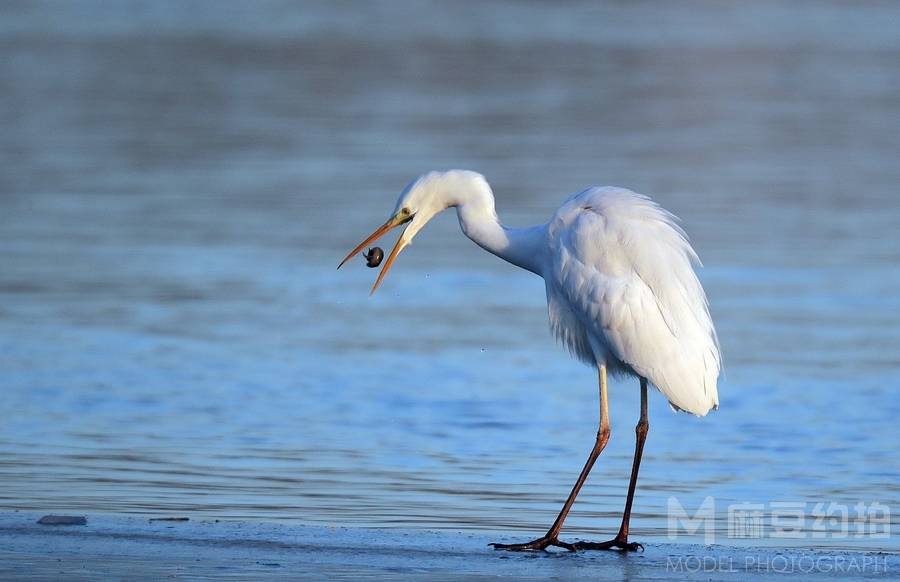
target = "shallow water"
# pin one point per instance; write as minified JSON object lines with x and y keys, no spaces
{"x":117,"y":547}
{"x":179,"y":181}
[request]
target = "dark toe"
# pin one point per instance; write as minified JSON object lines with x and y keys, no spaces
{"x":538,"y":545}
{"x":610,"y":545}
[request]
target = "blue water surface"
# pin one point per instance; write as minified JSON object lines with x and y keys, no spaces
{"x":178,"y":181}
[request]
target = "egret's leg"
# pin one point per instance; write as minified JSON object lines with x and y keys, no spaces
{"x":620,"y":542}
{"x":551,"y":538}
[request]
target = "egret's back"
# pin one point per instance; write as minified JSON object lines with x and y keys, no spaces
{"x":622,"y":290}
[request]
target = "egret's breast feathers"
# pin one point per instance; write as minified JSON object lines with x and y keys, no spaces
{"x":621,"y":278}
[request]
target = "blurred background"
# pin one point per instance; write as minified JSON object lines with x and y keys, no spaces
{"x":179,"y":179}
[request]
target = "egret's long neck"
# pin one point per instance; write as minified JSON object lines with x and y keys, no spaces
{"x":522,"y":247}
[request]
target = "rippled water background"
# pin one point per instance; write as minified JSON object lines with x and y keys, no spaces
{"x":178,"y":181}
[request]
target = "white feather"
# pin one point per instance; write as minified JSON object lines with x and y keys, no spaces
{"x":621,"y":290}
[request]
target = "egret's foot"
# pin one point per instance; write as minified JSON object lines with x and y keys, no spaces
{"x":615,"y":544}
{"x":538,"y":545}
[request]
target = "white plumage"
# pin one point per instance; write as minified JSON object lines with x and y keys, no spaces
{"x":622,"y":295}
{"x":621,"y":288}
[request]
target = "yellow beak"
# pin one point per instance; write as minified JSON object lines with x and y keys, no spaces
{"x":392,"y":223}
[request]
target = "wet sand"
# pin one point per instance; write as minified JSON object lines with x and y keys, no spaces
{"x":119,"y":547}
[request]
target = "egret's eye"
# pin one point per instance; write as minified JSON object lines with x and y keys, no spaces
{"x":404,"y":211}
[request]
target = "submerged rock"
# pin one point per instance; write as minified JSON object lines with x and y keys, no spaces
{"x":63,"y":520}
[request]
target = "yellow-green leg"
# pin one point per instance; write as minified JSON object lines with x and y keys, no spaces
{"x":620,"y":542}
{"x":551,"y":538}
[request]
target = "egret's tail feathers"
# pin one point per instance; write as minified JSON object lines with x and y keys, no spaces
{"x":700,"y":411}
{"x":678,"y":382}
{"x":691,"y":401}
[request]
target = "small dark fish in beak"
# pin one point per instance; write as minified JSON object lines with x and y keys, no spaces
{"x":375,"y":254}
{"x":374,"y":257}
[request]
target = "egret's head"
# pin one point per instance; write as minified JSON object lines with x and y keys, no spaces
{"x":418,"y":203}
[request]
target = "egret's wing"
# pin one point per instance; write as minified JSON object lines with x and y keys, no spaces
{"x":624,"y":269}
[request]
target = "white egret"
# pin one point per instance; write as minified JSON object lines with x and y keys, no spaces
{"x":622,"y":295}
